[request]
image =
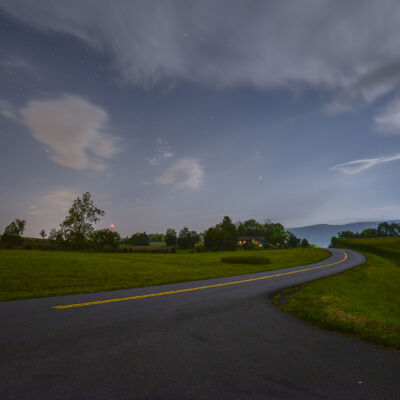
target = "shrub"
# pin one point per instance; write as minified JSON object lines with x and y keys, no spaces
{"x":14,"y":240}
{"x":199,"y":247}
{"x":245,"y":260}
{"x":139,"y":239}
{"x":105,"y":239}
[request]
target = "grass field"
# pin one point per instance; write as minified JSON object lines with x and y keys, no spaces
{"x":35,"y":273}
{"x":364,"y":301}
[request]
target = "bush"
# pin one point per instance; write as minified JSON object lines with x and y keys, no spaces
{"x":139,"y":239}
{"x":105,"y":239}
{"x":245,"y":260}
{"x":199,"y":247}
{"x":14,"y":240}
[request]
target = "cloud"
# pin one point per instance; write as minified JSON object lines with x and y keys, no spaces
{"x":163,"y":153}
{"x":60,"y":199}
{"x":7,"y":110}
{"x":73,"y":129}
{"x":356,"y":166}
{"x":184,"y":173}
{"x":388,"y":121}
{"x":13,"y":64}
{"x":349,"y":49}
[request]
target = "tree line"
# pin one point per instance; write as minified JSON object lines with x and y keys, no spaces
{"x":77,"y":232}
{"x":384,"y":230}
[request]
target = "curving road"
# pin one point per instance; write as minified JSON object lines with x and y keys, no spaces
{"x":224,"y":340}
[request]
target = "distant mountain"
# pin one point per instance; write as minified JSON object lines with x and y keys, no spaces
{"x":321,"y":234}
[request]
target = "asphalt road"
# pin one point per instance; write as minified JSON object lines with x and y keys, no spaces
{"x":220,"y":342}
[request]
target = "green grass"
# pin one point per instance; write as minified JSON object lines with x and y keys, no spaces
{"x":35,"y":273}
{"x":245,"y":259}
{"x":364,"y":301}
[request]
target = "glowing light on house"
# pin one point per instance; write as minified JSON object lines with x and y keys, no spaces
{"x":112,"y":226}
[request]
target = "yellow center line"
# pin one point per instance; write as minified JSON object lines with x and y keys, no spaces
{"x":91,"y":303}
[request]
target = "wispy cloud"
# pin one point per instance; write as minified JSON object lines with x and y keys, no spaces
{"x":163,"y":153}
{"x":7,"y":110}
{"x":13,"y":64}
{"x":356,"y":166}
{"x":388,"y":121}
{"x":184,"y":173}
{"x":60,"y":199}
{"x":74,"y":130}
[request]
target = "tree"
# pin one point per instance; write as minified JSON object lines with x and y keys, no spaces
{"x":104,"y":239}
{"x":187,"y":238}
{"x":292,"y":240}
{"x":139,"y":239}
{"x":42,"y":233}
{"x":170,"y":237}
{"x":335,"y":242}
{"x":13,"y":232}
{"x":156,"y":237}
{"x":77,"y":227}
{"x":347,"y":235}
{"x":222,"y":237}
{"x":15,"y":228}
{"x":370,"y":233}
{"x":305,"y":243}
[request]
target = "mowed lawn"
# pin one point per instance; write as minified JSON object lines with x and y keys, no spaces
{"x":36,"y":273}
{"x":364,"y":301}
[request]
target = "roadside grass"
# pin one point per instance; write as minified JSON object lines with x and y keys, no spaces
{"x":35,"y":273}
{"x":245,"y":259}
{"x":363,"y":301}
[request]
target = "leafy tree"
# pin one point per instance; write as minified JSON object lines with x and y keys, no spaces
{"x":187,"y":238}
{"x":347,"y":235}
{"x":388,"y":230}
{"x":171,"y":237}
{"x":156,"y":237}
{"x":15,"y":228}
{"x":335,"y":242}
{"x":280,"y":235}
{"x":250,"y":228}
{"x":103,"y":239}
{"x":370,"y":233}
{"x":13,"y":232}
{"x":305,"y":243}
{"x":139,"y":239}
{"x":77,"y":227}
{"x":222,"y":237}
{"x":42,"y":233}
{"x":292,"y":240}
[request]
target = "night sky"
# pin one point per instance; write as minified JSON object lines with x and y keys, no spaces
{"x":176,"y":113}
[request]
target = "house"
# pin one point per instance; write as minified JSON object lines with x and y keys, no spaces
{"x":255,"y":240}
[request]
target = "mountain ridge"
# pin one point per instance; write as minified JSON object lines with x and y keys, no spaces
{"x":321,"y":234}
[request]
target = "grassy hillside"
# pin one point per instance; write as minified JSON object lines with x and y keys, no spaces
{"x":35,"y":273}
{"x":364,"y":301}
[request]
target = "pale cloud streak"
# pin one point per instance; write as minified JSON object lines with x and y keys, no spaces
{"x":184,"y":173}
{"x":7,"y":110}
{"x":74,"y":130}
{"x":13,"y":64}
{"x":356,"y":166}
{"x":388,"y":121}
